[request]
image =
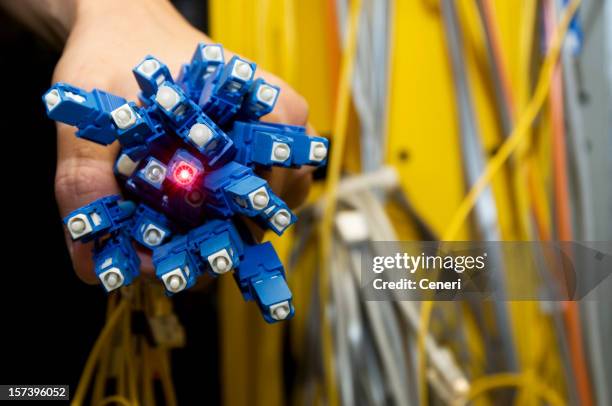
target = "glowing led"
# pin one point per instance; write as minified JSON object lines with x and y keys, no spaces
{"x":184,"y":174}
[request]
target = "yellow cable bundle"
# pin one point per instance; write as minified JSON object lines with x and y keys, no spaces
{"x":519,"y":134}
{"x":137,"y":363}
{"x":498,"y":381}
{"x":521,"y":130}
{"x":100,"y":344}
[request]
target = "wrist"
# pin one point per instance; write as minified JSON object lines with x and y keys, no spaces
{"x":135,"y":18}
{"x":131,"y":13}
{"x":109,"y":37}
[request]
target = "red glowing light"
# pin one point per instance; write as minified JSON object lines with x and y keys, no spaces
{"x":184,"y":174}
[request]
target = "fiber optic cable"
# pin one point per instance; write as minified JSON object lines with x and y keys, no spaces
{"x":384,"y":325}
{"x":101,"y":375}
{"x":506,"y":380}
{"x":370,"y":77}
{"x":507,"y":108}
{"x":103,"y":338}
{"x":114,"y":400}
{"x":334,"y":169}
{"x":503,"y":94}
{"x":486,"y":211}
{"x":382,"y":329}
{"x":354,"y":191}
{"x":495,"y":163}
{"x":585,"y":230}
{"x":519,"y":132}
{"x":564,"y":220}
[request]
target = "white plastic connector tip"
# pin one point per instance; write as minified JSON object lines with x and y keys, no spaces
{"x":281,"y":152}
{"x":167,"y":97}
{"x":267,"y":94}
{"x":174,"y":283}
{"x":111,"y":280}
{"x":149,"y":66}
{"x":152,"y":237}
{"x":212,"y":53}
{"x":260,"y":200}
{"x":320,"y":152}
{"x":154,"y":173}
{"x":281,"y":312}
{"x":124,"y":116}
{"x":200,"y":134}
{"x":243,"y":70}
{"x":282,"y":219}
{"x":221,"y":264}
{"x":77,"y":225}
{"x":52,"y":98}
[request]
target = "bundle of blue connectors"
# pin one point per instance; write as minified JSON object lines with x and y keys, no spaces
{"x":188,"y":154}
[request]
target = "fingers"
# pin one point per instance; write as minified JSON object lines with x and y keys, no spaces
{"x":291,"y":108}
{"x":292,"y":185}
{"x":297,"y":185}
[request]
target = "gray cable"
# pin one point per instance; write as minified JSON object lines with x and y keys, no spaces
{"x":485,"y":209}
{"x":583,"y":209}
{"x":370,"y":76}
{"x":503,"y":108}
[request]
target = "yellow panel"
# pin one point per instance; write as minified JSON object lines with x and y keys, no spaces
{"x":486,"y":113}
{"x":280,"y":36}
{"x":423,"y":137}
{"x":314,"y":79}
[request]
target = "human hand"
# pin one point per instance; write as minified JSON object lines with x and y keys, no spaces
{"x":107,"y":40}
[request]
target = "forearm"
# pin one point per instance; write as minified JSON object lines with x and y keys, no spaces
{"x":54,"y":20}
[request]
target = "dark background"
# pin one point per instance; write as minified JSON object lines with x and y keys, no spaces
{"x":50,"y":319}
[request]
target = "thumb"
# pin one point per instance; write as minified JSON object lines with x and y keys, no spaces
{"x":84,"y":173}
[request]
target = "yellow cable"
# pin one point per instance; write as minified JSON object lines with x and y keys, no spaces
{"x":522,"y":128}
{"x":99,"y":390}
{"x":100,"y":343}
{"x":114,"y":399}
{"x":528,"y":15}
{"x":148,"y":378}
{"x":505,"y":380}
{"x":166,"y":379}
{"x":341,"y":116}
{"x":514,"y":140}
{"x":129,"y":361}
{"x":525,"y":311}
